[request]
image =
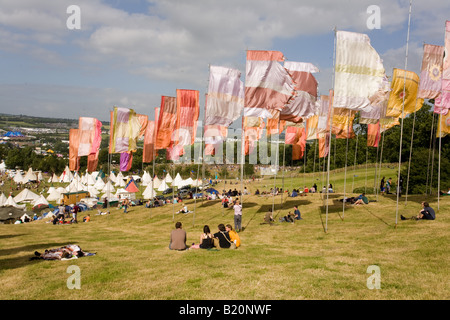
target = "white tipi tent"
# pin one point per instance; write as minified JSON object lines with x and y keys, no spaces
{"x":54,"y":196}
{"x":156,"y":182}
{"x":163,"y":186}
{"x":26,"y":195}
{"x":2,"y":199}
{"x":149,"y":192}
{"x":29,"y":176}
{"x":168,"y":178}
{"x":10,"y":202}
{"x":18,"y":178}
{"x":146,"y":179}
{"x":40,"y":200}
{"x":177,"y":181}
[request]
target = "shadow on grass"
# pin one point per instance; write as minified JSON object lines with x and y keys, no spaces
{"x":19,"y":262}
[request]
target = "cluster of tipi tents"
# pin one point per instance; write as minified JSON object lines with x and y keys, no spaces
{"x":115,"y":187}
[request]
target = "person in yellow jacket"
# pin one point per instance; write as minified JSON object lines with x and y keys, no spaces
{"x":234,"y":237}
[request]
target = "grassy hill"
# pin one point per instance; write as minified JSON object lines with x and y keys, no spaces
{"x":279,"y":261}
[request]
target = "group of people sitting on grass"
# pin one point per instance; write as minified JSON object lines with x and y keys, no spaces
{"x":290,"y":217}
{"x":224,"y":238}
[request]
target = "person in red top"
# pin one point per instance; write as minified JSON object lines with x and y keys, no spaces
{"x":305,"y":190}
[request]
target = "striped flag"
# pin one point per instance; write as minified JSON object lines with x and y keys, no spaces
{"x":268,"y":86}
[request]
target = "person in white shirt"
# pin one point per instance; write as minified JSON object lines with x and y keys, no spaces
{"x":237,"y":216}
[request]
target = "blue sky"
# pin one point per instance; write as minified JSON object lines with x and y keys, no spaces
{"x":130,"y":53}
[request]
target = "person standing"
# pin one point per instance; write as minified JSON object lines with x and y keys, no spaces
{"x":125,"y":205}
{"x":382,"y":186}
{"x":237,"y":216}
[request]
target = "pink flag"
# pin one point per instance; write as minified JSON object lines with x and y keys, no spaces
{"x":442,"y":103}
{"x":268,"y":86}
{"x":303,"y":105}
{"x":431,"y":74}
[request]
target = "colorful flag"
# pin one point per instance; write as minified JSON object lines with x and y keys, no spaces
{"x":225,"y":96}
{"x":342,"y":123}
{"x":359,"y":71}
{"x":303,"y":105}
{"x":167,"y":121}
{"x":188,"y":109}
{"x":403,"y":95}
{"x":442,"y":103}
{"x":373,"y":134}
{"x":74,"y":141}
{"x":431,"y":74}
{"x":268,"y":86}
{"x":126,"y":160}
{"x":443,"y":125}
{"x":378,"y":105}
{"x":124,"y":130}
{"x":296,"y":136}
{"x":149,"y":143}
{"x":311,"y":127}
{"x":253,"y":129}
{"x":275,"y":126}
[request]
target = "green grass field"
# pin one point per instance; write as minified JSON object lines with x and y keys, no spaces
{"x":277,"y":262}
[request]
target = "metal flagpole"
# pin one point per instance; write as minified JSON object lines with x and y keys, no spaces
{"x":439,"y":162}
{"x":282,"y":188}
{"x":276,"y":168}
{"x":345,"y":170}
{"x":429,"y":153}
{"x":354,"y":164}
{"x":330,"y":111}
{"x":403,"y":111}
{"x":410,"y":154}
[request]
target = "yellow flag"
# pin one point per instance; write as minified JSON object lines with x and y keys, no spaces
{"x":404,"y":87}
{"x":443,"y":125}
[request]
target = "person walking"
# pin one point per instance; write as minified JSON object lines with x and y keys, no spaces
{"x":237,"y":216}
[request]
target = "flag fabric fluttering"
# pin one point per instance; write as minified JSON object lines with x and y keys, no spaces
{"x":359,"y":71}
{"x":443,"y":128}
{"x":403,"y":96}
{"x":88,"y":141}
{"x":124,"y":130}
{"x":268,"y":85}
{"x":166,"y":123}
{"x":188,"y":110}
{"x":149,"y":143}
{"x":253,"y":130}
{"x":442,"y":103}
{"x":342,"y":123}
{"x":311,"y":127}
{"x":126,"y":160}
{"x":225,"y":96}
{"x":303,"y":104}
{"x":373,"y":134}
{"x":296,"y":136}
{"x":430,"y":85}
{"x":74,"y":141}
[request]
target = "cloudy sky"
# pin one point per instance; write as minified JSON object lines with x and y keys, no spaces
{"x":130,"y":53}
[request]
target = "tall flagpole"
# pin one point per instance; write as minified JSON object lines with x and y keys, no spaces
{"x":410,"y":154}
{"x":276,"y":168}
{"x":403,"y":111}
{"x":439,"y":162}
{"x":429,"y":152}
{"x":345,"y":170}
{"x":330,"y":113}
